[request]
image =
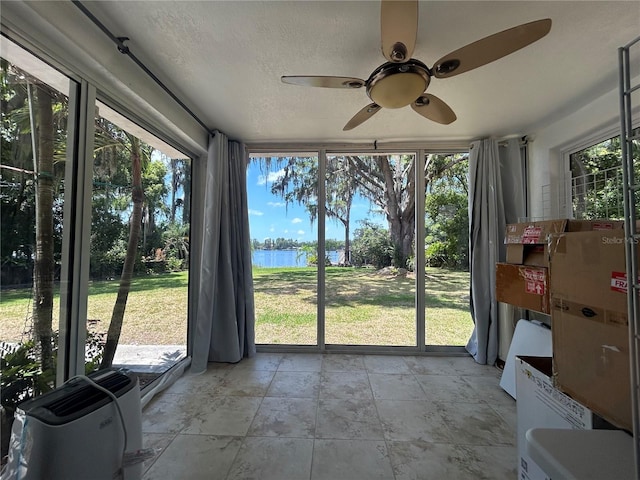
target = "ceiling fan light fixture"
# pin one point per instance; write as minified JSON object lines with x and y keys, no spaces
{"x":398,"y":85}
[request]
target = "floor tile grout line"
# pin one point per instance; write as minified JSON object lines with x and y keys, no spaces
{"x":157,"y":457}
{"x":384,"y":437}
{"x":315,"y":427}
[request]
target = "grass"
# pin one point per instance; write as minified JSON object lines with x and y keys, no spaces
{"x":156,"y":312}
{"x":363,"y":307}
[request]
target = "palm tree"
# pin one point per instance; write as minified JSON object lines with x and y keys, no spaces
{"x":135,"y":221}
{"x":44,"y":262}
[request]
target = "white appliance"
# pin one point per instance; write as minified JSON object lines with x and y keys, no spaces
{"x":530,"y":338}
{"x":75,"y":432}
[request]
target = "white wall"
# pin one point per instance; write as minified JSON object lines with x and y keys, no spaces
{"x":548,"y":170}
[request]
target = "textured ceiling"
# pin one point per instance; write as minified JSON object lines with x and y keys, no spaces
{"x":225,"y":59}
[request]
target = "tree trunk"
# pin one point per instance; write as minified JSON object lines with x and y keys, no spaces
{"x":174,"y":187}
{"x":137,"y":195}
{"x":399,"y":207}
{"x":347,"y":242}
{"x":44,"y":263}
{"x":186,"y":201}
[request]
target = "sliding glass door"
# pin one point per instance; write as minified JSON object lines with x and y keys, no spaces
{"x":446,"y":246}
{"x":140,"y":217}
{"x":335,"y":262}
{"x":282,"y":196}
{"x":370,"y":222}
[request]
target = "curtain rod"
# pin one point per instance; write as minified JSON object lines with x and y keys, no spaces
{"x":522,"y":141}
{"x":122,"y":48}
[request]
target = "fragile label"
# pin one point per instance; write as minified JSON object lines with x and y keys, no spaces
{"x":534,"y":281}
{"x":619,"y":282}
{"x":531,"y":234}
{"x":602,"y":225}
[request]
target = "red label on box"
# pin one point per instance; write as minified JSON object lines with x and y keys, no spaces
{"x":531,"y":234}
{"x":619,"y":282}
{"x":534,"y":281}
{"x":602,"y":226}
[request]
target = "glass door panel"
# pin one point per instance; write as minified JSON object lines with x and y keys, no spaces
{"x":446,"y":243}
{"x":370,"y":222}
{"x":138,"y":294}
{"x":282,"y":197}
{"x":35,"y":124}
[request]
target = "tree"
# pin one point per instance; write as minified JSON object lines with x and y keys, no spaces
{"x":43,"y":267}
{"x":447,"y":213}
{"x":34,"y":129}
{"x":155,"y":193}
{"x":389,"y":182}
{"x":299,"y":183}
{"x":178,"y":169}
{"x":137,"y":197}
{"x":597,"y":180}
{"x":372,"y":246}
{"x":340,"y":189}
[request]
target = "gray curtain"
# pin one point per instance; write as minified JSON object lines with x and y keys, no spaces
{"x":493,"y":179}
{"x":225,"y":322}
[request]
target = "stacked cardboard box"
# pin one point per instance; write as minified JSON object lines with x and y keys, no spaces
{"x":589,"y":321}
{"x":576,"y":272}
{"x":523,"y":280}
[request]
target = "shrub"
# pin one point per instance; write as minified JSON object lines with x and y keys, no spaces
{"x":372,"y":246}
{"x":22,"y":376}
{"x":436,"y":254}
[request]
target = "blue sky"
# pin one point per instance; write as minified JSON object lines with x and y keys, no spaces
{"x":269,"y":217}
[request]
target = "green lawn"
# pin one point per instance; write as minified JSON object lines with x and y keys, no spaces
{"x":362,"y":308}
{"x":156,"y":311}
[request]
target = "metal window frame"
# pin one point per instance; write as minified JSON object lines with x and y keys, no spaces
{"x":74,"y":277}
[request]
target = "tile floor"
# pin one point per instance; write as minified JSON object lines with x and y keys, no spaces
{"x":333,"y":417}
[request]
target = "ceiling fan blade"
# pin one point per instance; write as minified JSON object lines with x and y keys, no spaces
{"x":322,"y":81}
{"x":490,"y":48}
{"x":431,"y":107}
{"x":399,"y":27}
{"x":363,"y":115}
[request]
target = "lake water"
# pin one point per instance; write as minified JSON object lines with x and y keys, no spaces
{"x":285,"y":258}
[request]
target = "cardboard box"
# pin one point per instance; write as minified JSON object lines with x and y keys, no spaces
{"x":591,"y":225}
{"x":590,"y":322}
{"x":523,"y":286}
{"x":527,"y":242}
{"x":540,"y":405}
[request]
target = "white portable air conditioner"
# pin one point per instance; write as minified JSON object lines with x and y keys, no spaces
{"x":75,"y":432}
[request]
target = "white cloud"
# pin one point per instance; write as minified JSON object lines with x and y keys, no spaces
{"x":296,"y":220}
{"x":272,"y":229}
{"x":271,"y":177}
{"x":300,"y":232}
{"x":276,"y":204}
{"x":286,"y":231}
{"x":257,"y":213}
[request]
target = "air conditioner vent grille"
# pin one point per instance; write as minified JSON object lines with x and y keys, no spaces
{"x":87,"y":395}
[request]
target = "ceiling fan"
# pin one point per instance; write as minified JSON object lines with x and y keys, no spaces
{"x":403,"y":80}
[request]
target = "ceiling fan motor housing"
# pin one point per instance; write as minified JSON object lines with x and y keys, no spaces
{"x":396,"y":85}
